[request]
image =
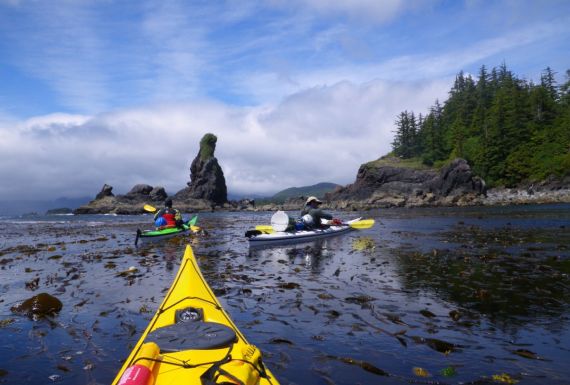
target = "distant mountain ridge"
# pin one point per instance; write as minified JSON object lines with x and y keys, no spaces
{"x":318,"y":190}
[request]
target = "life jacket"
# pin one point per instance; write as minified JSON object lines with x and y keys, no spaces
{"x":170,"y":219}
{"x":171,"y":216}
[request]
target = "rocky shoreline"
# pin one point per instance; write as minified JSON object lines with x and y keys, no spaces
{"x":505,"y":196}
{"x":387,"y":182}
{"x":494,"y":197}
{"x":132,"y":203}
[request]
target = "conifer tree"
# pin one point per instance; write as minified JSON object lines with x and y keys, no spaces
{"x":509,"y":129}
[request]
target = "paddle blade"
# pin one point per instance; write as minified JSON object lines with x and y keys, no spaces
{"x":193,"y":221}
{"x":264,"y":228}
{"x":362,"y":224}
{"x":149,"y":208}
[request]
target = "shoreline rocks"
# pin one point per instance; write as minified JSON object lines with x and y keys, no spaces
{"x":387,"y":182}
{"x":522,"y":196}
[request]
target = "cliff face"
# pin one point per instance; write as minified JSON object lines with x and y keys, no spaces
{"x":206,"y":176}
{"x":386,"y":184}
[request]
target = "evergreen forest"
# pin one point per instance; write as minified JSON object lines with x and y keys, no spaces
{"x":510,"y":130}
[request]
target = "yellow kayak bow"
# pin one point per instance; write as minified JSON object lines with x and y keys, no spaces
{"x":192,"y":340}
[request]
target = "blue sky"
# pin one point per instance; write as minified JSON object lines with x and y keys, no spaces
{"x":297,"y":91}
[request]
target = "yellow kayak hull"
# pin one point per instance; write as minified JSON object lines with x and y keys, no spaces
{"x":192,"y":340}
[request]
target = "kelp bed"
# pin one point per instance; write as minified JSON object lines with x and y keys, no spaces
{"x":434,"y":296}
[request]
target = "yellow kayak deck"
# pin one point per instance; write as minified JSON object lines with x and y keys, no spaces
{"x":192,"y":340}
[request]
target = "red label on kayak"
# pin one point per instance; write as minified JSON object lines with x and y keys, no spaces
{"x":136,"y":375}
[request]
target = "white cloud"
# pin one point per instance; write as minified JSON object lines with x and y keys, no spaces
{"x":320,"y":134}
{"x":270,"y":86}
{"x":319,"y":81}
{"x":369,"y":10}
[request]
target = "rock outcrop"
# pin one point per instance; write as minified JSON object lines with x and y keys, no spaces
{"x":388,"y":182}
{"x":106,"y":191}
{"x":206,"y":191}
{"x":131,"y":203}
{"x":457,"y":179}
{"x":207,"y":180}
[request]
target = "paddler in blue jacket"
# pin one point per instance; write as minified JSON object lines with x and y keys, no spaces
{"x":168,"y":216}
{"x":312,"y":215}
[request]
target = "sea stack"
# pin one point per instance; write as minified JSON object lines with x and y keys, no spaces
{"x":206,"y":176}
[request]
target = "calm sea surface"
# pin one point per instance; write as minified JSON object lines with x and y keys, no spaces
{"x":451,"y":296}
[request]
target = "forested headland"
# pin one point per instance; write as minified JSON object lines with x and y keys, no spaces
{"x":510,"y":130}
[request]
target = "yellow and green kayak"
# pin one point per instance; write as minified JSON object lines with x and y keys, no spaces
{"x":192,"y":340}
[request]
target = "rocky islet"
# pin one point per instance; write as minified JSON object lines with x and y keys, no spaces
{"x":387,"y":182}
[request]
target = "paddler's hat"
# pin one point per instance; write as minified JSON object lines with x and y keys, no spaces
{"x":168,"y":202}
{"x":313,"y":199}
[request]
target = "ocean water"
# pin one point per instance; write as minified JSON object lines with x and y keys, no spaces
{"x":446,"y":295}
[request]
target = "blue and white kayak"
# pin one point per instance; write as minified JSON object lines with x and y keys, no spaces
{"x":269,"y":237}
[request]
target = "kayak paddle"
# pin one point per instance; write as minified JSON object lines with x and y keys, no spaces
{"x":264,"y":228}
{"x":355,"y":224}
{"x":149,"y":208}
{"x":362,"y":224}
{"x":192,"y":224}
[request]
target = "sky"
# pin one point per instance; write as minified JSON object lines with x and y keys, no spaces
{"x":298,"y":92}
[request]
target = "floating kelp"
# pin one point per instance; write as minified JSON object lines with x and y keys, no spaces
{"x":363,"y":364}
{"x":280,"y":341}
{"x":5,"y":261}
{"x":360,"y":299}
{"x":427,"y":313}
{"x":482,"y":278}
{"x":129,"y":272}
{"x":363,"y":244}
{"x":455,"y":315}
{"x":436,"y":344}
{"x":289,"y":285}
{"x":527,"y":354}
{"x":418,"y":270}
{"x":333,"y":314}
{"x":34,"y":284}
{"x":38,"y":306}
{"x":448,"y":372}
{"x":63,"y":368}
{"x":27,"y":250}
{"x":421,"y":372}
{"x":394,"y":318}
{"x":6,"y":322}
{"x":504,"y":378}
{"x":83,"y":302}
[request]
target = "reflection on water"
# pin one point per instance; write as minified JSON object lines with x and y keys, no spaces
{"x":312,"y":255}
{"x":478,"y":295}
